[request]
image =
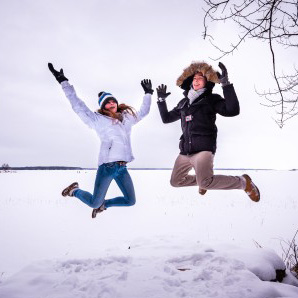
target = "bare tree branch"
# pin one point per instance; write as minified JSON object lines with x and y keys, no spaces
{"x":274,"y":22}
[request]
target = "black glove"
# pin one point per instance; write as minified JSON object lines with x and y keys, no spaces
{"x":59,"y":75}
{"x":162,"y":92}
{"x":147,"y":86}
{"x":223,"y":77}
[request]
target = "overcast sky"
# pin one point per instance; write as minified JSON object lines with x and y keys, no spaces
{"x":111,"y":46}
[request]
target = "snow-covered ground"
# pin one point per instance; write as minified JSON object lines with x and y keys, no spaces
{"x":172,"y":243}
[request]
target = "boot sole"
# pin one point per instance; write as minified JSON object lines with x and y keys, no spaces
{"x":66,"y":191}
{"x":250,"y":180}
{"x":98,"y":210}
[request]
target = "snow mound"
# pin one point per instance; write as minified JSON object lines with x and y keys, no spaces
{"x":146,"y":269}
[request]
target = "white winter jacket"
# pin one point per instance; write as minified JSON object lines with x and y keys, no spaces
{"x":114,"y":134}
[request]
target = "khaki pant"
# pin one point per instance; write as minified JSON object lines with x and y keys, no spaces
{"x":202,"y":163}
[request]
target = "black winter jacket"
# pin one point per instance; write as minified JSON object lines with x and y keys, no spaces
{"x":198,"y":119}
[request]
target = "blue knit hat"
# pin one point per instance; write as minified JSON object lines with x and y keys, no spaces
{"x":104,"y":97}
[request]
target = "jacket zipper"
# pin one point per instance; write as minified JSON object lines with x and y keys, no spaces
{"x":188,"y":137}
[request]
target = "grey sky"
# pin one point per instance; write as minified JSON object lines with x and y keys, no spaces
{"x":112,"y":46}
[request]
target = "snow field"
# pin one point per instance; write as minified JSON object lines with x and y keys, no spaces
{"x":172,"y":243}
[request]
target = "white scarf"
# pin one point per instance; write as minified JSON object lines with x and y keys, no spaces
{"x":194,"y":94}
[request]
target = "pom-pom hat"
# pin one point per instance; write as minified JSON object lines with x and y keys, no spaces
{"x":104,"y":98}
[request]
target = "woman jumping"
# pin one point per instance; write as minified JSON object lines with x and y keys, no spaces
{"x":112,"y":123}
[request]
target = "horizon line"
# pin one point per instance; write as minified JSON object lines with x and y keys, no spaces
{"x":136,"y":168}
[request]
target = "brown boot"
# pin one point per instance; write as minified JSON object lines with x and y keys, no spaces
{"x":251,"y":189}
{"x":202,"y":191}
{"x":68,"y":191}
{"x":98,"y":210}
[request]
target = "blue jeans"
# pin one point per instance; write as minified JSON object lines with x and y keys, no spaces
{"x":105,"y":174}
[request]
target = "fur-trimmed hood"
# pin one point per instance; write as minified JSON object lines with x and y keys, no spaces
{"x":185,"y":80}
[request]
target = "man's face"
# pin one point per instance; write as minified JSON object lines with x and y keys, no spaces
{"x":198,"y":82}
{"x":111,"y":105}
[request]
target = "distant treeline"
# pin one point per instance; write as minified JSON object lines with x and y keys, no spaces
{"x":44,"y":168}
{"x":67,"y":168}
{"x":82,"y":169}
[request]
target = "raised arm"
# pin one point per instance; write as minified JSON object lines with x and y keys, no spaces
{"x":86,"y":115}
{"x":166,"y":116}
{"x":146,"y":104}
{"x":229,"y":106}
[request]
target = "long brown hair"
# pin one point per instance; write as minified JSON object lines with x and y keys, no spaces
{"x":118,"y":115}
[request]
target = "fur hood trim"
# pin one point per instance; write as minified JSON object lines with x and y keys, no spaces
{"x":195,"y":67}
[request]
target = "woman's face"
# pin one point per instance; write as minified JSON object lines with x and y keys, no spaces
{"x":111,"y":106}
{"x":198,"y":82}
